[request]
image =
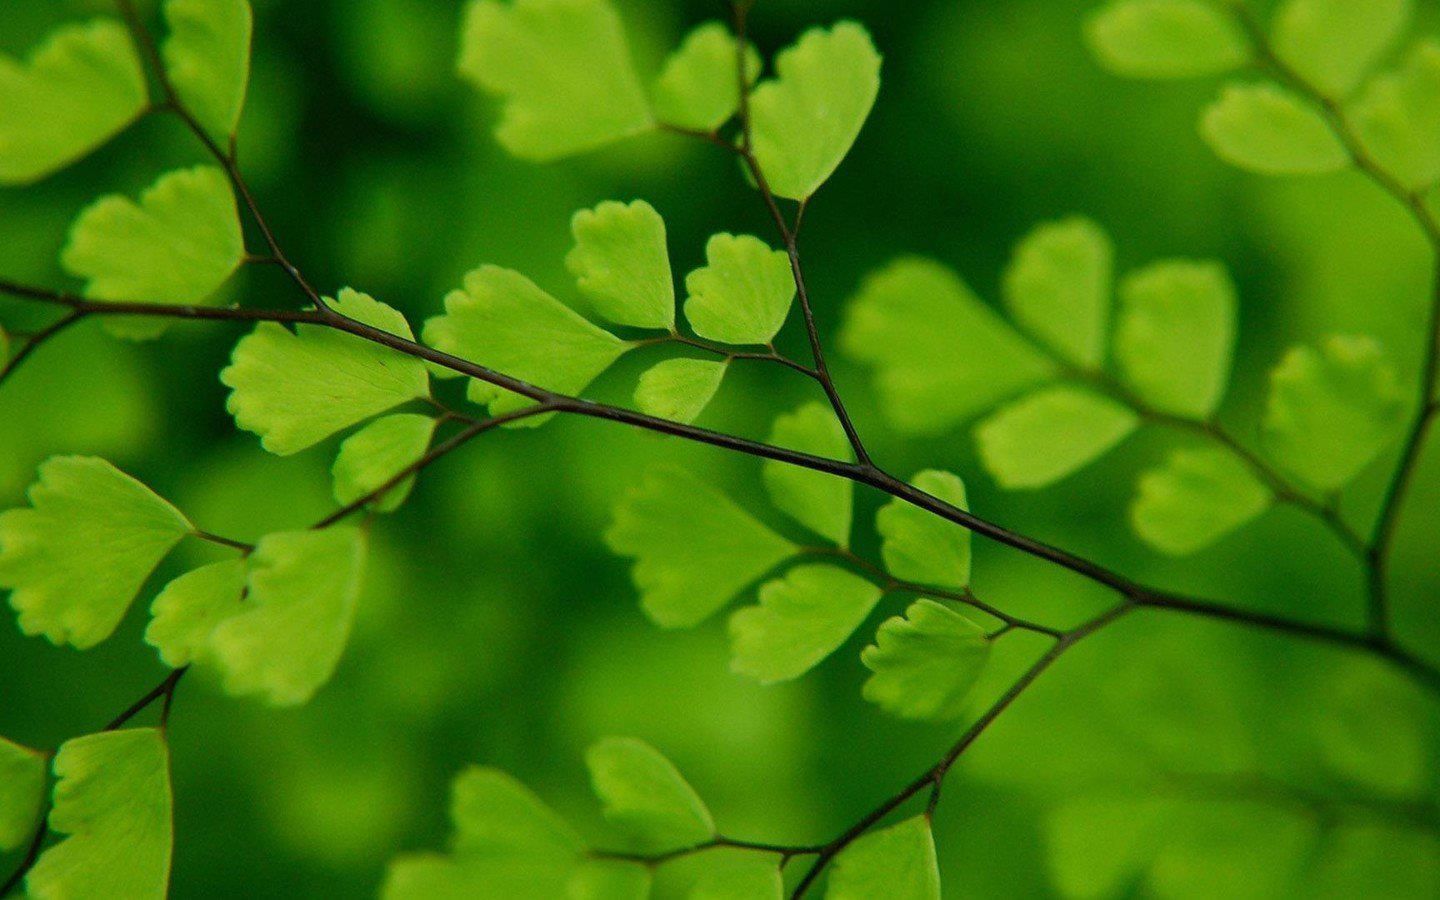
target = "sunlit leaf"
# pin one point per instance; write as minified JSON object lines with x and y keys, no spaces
{"x":563,"y":69}
{"x":186,"y":613}
{"x":897,"y":863}
{"x":177,"y":246}
{"x":77,"y":557}
{"x":1167,"y":38}
{"x":609,"y":880}
{"x":940,"y":355}
{"x":800,"y":619}
{"x":296,"y":388}
{"x":1046,"y":436}
{"x":822,"y":502}
{"x":679,"y":389}
{"x":1272,"y":131}
{"x":1333,"y":43}
{"x":22,"y":792}
{"x":805,"y":120}
{"x":1198,"y":496}
{"x":375,"y":454}
{"x":112,"y":801}
{"x":743,"y":293}
{"x":1332,"y":410}
{"x":644,"y":797}
{"x":694,"y":549}
{"x":207,"y":59}
{"x":73,"y":94}
{"x":299,"y":606}
{"x":621,"y":262}
{"x":1176,"y":334}
{"x":750,"y":877}
{"x":925,"y":663}
{"x":1058,"y":286}
{"x":699,"y":86}
{"x":1398,"y":116}
{"x":920,"y":546}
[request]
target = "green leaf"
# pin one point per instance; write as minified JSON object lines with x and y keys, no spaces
{"x":187,"y":611}
{"x":1100,"y":846}
{"x":897,"y":863}
{"x":1332,"y":410}
{"x":428,"y":876}
{"x":822,"y":502}
{"x":1398,"y":117}
{"x":694,"y":549}
{"x":920,"y":546}
{"x":609,"y":880}
{"x":621,"y":263}
{"x":805,"y":120}
{"x":177,"y":246}
{"x":941,"y":356}
{"x":75,"y":92}
{"x":1196,"y":498}
{"x":1058,"y":288}
{"x":1167,"y":38}
{"x":502,"y":320}
{"x":22,"y":793}
{"x":925,"y":663}
{"x":1269,"y":130}
{"x":1333,"y":43}
{"x":1176,"y":335}
{"x":801,"y":619}
{"x":207,"y":59}
{"x":698,"y":87}
{"x":1048,"y":435}
{"x":112,"y":799}
{"x":743,"y":294}
{"x":300,"y":603}
{"x":749,"y":877}
{"x":643,"y":796}
{"x":679,"y":389}
{"x":77,"y":558}
{"x":372,"y":456}
{"x":497,"y":816}
{"x":563,"y":70}
{"x":297,"y":388}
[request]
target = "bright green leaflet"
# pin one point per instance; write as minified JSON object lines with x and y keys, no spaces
{"x":800,"y":619}
{"x":1198,"y":496}
{"x":897,"y":863}
{"x":1333,"y":43}
{"x":1048,"y":435}
{"x":609,"y":880}
{"x":112,"y":800}
{"x":679,"y":389}
{"x":297,"y":388}
{"x":1176,"y":334}
{"x":372,"y":456}
{"x":207,"y":59}
{"x":621,"y":262}
{"x":1332,"y":409}
{"x":694,"y":549}
{"x":187,"y":611}
{"x":750,"y":877}
{"x":74,"y":93}
{"x":821,"y":502}
{"x":429,"y":876}
{"x":502,"y":320}
{"x":22,"y":792}
{"x":805,"y":120}
{"x":1057,"y":288}
{"x":920,"y":546}
{"x":925,"y":663}
{"x":743,"y":294}
{"x":940,"y":355}
{"x":644,"y":797}
{"x":698,"y":87}
{"x":563,"y":70}
{"x":1269,"y":130}
{"x":1166,"y":38}
{"x":76,"y":559}
{"x":298,"y":611}
{"x":178,"y":245}
{"x":1398,"y":117}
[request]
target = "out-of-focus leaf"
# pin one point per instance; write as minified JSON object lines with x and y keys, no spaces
{"x":821,"y":502}
{"x":1046,"y":436}
{"x":699,"y":86}
{"x":1167,"y":38}
{"x":1058,"y":288}
{"x":1269,"y":130}
{"x":22,"y":792}
{"x":1398,"y":117}
{"x":1333,"y":43}
{"x":645,"y":797}
{"x":372,"y":456}
{"x":801,"y":619}
{"x":897,"y":863}
{"x":1198,"y":496}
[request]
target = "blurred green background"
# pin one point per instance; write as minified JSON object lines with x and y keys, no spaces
{"x":497,"y":629}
